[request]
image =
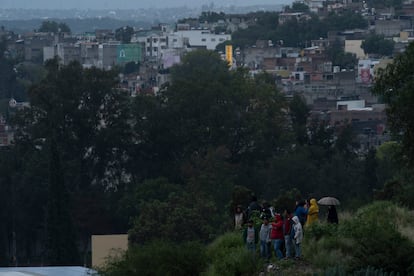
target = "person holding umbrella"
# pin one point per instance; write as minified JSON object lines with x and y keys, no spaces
{"x":332,"y":215}
{"x":331,"y":202}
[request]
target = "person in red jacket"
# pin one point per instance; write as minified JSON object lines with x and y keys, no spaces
{"x":287,"y":231}
{"x":276,"y":235}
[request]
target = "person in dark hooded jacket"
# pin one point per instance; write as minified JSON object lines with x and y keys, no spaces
{"x":253,"y":206}
{"x":332,"y":214}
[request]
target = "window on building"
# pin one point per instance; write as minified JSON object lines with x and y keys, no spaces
{"x":213,"y":39}
{"x":203,"y":40}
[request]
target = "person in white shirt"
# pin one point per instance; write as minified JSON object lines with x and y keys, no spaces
{"x":298,"y":237}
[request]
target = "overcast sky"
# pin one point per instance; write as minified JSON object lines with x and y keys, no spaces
{"x":127,"y":4}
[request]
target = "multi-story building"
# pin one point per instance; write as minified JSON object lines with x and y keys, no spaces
{"x":33,"y":46}
{"x":315,"y":5}
{"x":154,"y":42}
{"x":202,"y":38}
{"x":390,"y":28}
{"x":89,"y":54}
{"x":287,"y":16}
{"x":64,"y":51}
{"x":108,"y":55}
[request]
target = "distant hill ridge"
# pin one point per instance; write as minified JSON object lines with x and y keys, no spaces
{"x":77,"y":26}
{"x":80,"y":21}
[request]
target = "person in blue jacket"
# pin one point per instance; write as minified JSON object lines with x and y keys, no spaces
{"x":301,"y":211}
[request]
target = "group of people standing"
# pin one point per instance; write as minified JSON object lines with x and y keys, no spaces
{"x":282,"y":232}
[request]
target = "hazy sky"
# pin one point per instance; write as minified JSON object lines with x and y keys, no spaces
{"x":126,"y":4}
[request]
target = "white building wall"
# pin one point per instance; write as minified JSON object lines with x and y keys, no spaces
{"x":354,"y":47}
{"x":314,"y":5}
{"x":154,"y":44}
{"x":48,"y":53}
{"x":60,"y":52}
{"x":203,"y":38}
{"x":351,"y":105}
{"x":176,"y":41}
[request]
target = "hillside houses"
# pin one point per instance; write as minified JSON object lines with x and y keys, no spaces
{"x":306,"y":69}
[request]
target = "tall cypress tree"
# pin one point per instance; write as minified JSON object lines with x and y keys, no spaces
{"x":61,"y":238}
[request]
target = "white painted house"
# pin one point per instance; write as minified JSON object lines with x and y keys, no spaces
{"x":202,"y":38}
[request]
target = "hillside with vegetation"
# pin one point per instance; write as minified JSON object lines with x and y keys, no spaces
{"x":170,"y":168}
{"x":363,"y":243}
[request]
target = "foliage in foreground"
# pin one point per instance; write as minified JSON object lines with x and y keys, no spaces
{"x":373,"y":241}
{"x":227,"y":255}
{"x":158,"y":258}
{"x":369,"y":271}
{"x":372,"y":237}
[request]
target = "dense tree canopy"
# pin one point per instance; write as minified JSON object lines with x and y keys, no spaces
{"x":9,"y":84}
{"x":124,"y":34}
{"x":297,"y":7}
{"x":335,"y":52}
{"x":78,"y":112}
{"x":210,"y":16}
{"x":377,"y":44}
{"x":305,"y":29}
{"x":54,"y":27}
{"x":167,"y":159}
{"x":394,"y":85}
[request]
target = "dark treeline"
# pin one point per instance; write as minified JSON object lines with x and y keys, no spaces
{"x":308,"y":27}
{"x":88,"y":159}
{"x":76,"y":25}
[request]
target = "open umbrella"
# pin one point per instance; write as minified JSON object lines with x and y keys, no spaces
{"x":328,"y":200}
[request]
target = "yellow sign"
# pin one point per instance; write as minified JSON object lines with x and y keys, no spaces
{"x":229,"y":54}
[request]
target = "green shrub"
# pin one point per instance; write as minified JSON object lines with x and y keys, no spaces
{"x":369,"y":271}
{"x":324,"y":247}
{"x":334,"y":271}
{"x":227,"y":255}
{"x":226,"y":241}
{"x":319,"y":230}
{"x":237,"y":261}
{"x":378,"y":243}
{"x":371,"y":237}
{"x":158,"y":258}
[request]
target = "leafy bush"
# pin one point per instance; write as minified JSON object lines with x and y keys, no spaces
{"x":334,"y":271}
{"x":158,"y":258}
{"x":319,"y":230}
{"x":369,"y":271}
{"x":378,"y":243}
{"x":372,"y":237}
{"x":179,"y":218}
{"x":227,"y":255}
{"x":324,"y":247}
